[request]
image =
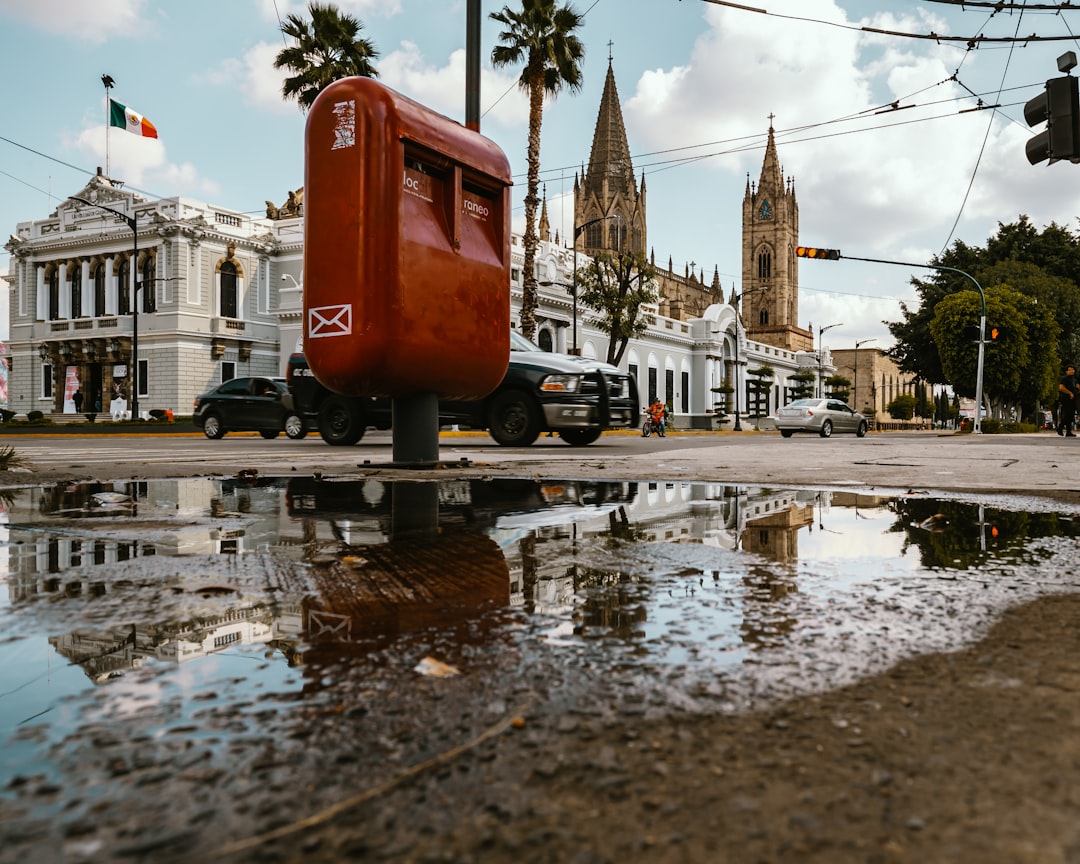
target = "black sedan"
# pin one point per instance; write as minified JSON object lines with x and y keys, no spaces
{"x":262,"y":405}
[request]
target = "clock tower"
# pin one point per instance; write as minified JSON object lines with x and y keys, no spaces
{"x":770,"y":233}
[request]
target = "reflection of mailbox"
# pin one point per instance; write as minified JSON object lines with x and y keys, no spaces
{"x":406,"y":248}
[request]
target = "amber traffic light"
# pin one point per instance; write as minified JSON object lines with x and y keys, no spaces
{"x":813,"y":252}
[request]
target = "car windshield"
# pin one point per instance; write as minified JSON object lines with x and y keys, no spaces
{"x":520,"y":343}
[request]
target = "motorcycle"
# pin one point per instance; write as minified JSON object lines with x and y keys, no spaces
{"x":651,"y":426}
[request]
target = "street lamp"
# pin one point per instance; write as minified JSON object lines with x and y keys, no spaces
{"x":735,"y":299}
{"x":857,"y":344}
{"x":821,"y":330}
{"x":285,"y":276}
{"x":573,"y":291}
{"x":43,"y":353}
{"x":133,"y":374}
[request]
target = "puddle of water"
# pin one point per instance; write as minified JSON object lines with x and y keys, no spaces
{"x":169,"y":599}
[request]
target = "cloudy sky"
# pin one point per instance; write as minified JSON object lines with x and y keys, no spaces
{"x":698,"y":81}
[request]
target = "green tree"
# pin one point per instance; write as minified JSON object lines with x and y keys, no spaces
{"x":802,"y":383}
{"x":759,"y":384}
{"x":1009,"y":366}
{"x":542,"y":36}
{"x":838,"y":387}
{"x":616,"y":287}
{"x":1042,"y":265}
{"x":902,"y":407}
{"x":328,"y":49}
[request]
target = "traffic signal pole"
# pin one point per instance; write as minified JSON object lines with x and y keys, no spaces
{"x":834,"y":255}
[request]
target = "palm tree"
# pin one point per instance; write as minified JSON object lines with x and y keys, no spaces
{"x":324,"y":52}
{"x":543,"y":37}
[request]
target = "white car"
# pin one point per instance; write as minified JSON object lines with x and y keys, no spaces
{"x":823,"y":416}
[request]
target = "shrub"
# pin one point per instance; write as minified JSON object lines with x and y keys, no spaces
{"x":10,"y":459}
{"x":6,"y":415}
{"x":34,"y":416}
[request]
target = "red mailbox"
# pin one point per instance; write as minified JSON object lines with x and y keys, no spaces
{"x":406,"y":248}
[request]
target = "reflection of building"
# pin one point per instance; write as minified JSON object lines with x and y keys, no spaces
{"x":774,"y":531}
{"x":347,"y":567}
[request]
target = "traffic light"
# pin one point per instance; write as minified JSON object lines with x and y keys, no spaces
{"x":1059,"y":107}
{"x":993,"y":333}
{"x":811,"y":252}
{"x":971,"y":332}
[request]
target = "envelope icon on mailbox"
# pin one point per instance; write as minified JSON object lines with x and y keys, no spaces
{"x":329,"y":321}
{"x":327,"y":625}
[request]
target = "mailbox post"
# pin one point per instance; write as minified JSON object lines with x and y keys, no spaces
{"x":406,"y":257}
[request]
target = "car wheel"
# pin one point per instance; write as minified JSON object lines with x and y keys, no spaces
{"x":269,"y":434}
{"x":514,"y":419}
{"x":579,"y":437}
{"x":787,"y":433}
{"x":294,"y":427}
{"x":212,"y":427}
{"x":341,"y":422}
{"x":826,"y":429}
{"x":861,"y":431}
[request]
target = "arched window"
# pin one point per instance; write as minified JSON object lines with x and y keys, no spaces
{"x":764,"y":264}
{"x":99,"y":290}
{"x":228,"y":305}
{"x":544,"y":338}
{"x":54,"y":294}
{"x":76,"y":290}
{"x":763,"y":316}
{"x":149,"y":285}
{"x":123,"y":296}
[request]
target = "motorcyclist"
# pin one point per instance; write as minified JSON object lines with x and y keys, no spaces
{"x":658,"y":414}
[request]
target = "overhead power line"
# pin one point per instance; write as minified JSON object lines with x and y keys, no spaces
{"x":1000,"y":6}
{"x":970,"y":41}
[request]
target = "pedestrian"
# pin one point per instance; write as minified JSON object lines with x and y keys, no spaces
{"x":78,"y":400}
{"x":1067,"y":402}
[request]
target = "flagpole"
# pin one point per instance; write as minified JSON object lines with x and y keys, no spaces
{"x":108,"y":82}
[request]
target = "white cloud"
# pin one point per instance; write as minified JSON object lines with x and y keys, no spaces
{"x":254,"y":78}
{"x":91,"y":22}
{"x":269,"y":10}
{"x":143,"y":162}
{"x":442,"y":88}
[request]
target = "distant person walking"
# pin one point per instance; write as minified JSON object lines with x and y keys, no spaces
{"x":1067,"y":402}
{"x":78,"y":400}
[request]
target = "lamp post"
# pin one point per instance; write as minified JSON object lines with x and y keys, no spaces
{"x":43,"y":353}
{"x":133,"y":374}
{"x":735,"y":300}
{"x":573,"y":291}
{"x":857,"y":344}
{"x":820,"y":347}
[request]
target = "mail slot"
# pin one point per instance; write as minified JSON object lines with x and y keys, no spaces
{"x":406,"y":248}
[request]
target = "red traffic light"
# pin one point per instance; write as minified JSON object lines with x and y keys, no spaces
{"x":992,"y":333}
{"x":812,"y":252}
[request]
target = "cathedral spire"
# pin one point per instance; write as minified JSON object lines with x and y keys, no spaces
{"x":608,"y":186}
{"x":543,"y":230}
{"x":772,"y":178}
{"x":609,"y":161}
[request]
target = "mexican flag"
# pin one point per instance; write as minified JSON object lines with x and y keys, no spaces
{"x":125,"y":118}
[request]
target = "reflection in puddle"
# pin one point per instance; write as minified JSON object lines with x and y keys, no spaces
{"x":268,"y":582}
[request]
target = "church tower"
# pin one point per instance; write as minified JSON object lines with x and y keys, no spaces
{"x":607,"y":187}
{"x":770,"y":226}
